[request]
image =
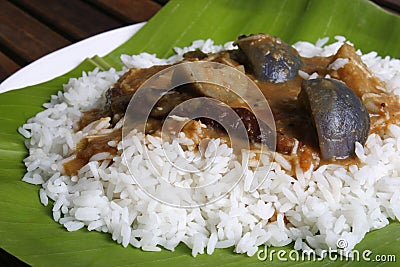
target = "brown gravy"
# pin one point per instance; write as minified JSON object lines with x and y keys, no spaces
{"x":292,"y":121}
{"x":86,"y":148}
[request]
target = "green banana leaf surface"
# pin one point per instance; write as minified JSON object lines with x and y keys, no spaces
{"x":27,"y":229}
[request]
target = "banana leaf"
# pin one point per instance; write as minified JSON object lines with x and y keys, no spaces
{"x":27,"y":229}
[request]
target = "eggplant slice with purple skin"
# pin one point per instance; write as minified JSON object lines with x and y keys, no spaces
{"x":339,"y":116}
{"x":269,"y":57}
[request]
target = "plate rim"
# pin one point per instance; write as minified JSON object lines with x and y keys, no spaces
{"x":46,"y":67}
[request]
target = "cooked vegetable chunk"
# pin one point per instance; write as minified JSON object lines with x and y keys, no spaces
{"x":270,"y":58}
{"x":338,"y":114}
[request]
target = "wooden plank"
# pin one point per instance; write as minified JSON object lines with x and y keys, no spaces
{"x":394,"y":4}
{"x":7,"y":259}
{"x":27,"y":38}
{"x":390,"y":5}
{"x":162,"y":2}
{"x":130,"y":11}
{"x":74,"y":19}
{"x":7,"y":66}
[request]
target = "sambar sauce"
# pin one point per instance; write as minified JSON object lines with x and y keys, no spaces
{"x":294,"y":125}
{"x":86,"y":148}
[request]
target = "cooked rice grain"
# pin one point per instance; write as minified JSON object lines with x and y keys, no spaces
{"x":321,"y":206}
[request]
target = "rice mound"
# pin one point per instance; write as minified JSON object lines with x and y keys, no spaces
{"x":313,"y":210}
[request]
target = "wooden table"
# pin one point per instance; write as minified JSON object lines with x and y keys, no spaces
{"x":30,"y":29}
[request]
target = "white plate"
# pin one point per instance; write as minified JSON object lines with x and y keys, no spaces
{"x":67,"y":58}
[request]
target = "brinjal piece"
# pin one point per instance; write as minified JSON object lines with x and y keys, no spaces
{"x":167,"y":101}
{"x":216,"y":81}
{"x":269,"y":58}
{"x":339,"y":116}
{"x":120,"y":94}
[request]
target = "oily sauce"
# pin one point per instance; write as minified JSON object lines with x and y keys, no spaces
{"x":294,"y":125}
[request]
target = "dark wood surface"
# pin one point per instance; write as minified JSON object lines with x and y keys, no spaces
{"x":30,"y":29}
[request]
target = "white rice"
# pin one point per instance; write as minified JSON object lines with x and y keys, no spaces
{"x":321,"y":206}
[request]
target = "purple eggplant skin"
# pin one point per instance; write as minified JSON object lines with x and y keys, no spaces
{"x":339,"y":116}
{"x":269,"y":58}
